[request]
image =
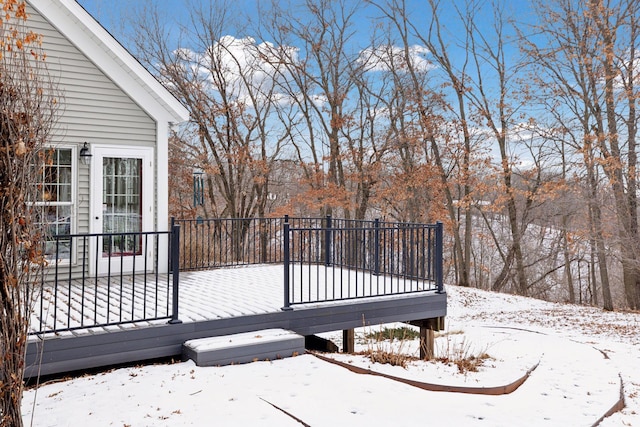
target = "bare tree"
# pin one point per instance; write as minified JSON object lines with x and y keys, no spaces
{"x":410,"y":187}
{"x":228,"y":86}
{"x":586,"y":55}
{"x":425,"y":101}
{"x":225,"y":84}
{"x":325,"y":80}
{"x":482,"y":95}
{"x":27,"y":113}
{"x":497,"y":104}
{"x":618,"y":35}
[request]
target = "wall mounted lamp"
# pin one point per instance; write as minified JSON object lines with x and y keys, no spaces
{"x":85,"y":154}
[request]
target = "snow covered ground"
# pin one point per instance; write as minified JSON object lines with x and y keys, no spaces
{"x":581,"y":357}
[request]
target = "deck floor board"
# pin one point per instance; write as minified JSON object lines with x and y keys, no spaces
{"x":204,"y":295}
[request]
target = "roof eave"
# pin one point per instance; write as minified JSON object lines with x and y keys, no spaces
{"x":103,"y":49}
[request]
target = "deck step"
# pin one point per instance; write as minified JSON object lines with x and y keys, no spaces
{"x":267,"y":344}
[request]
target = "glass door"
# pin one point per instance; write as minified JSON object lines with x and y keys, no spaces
{"x":122,"y":207}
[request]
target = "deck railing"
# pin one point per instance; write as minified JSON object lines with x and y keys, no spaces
{"x":226,"y":242}
{"x":110,"y":279}
{"x":103,"y":280}
{"x":350,"y":259}
{"x":324,"y":259}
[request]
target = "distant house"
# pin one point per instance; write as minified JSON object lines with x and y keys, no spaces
{"x":114,"y":110}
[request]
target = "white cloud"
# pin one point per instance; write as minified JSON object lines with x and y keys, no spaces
{"x":630,"y":67}
{"x":388,"y":57}
{"x":242,"y":68}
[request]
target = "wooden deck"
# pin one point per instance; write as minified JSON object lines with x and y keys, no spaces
{"x":214,"y":303}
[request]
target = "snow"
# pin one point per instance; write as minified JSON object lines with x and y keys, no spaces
{"x":240,"y":340}
{"x":580,"y":355}
{"x":209,"y":294}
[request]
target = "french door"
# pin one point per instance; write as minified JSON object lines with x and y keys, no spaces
{"x":121,"y":206}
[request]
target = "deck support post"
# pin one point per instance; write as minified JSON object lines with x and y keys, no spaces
{"x":427,"y":343}
{"x":428,"y":328}
{"x":348,"y":341}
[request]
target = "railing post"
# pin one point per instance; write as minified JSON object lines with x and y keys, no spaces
{"x":376,"y":248}
{"x":173,"y":222}
{"x":438,"y":258}
{"x":174,"y":250}
{"x":412,"y":250}
{"x":327,"y":242}
{"x":286,"y":255}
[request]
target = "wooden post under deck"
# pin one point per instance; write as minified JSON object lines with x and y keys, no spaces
{"x":427,"y":335}
{"x":348,"y":341}
{"x":427,"y":343}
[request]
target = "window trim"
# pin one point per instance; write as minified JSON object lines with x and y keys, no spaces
{"x":98,"y":265}
{"x":73,"y":226}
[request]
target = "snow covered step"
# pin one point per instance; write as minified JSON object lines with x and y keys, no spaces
{"x":267,"y":344}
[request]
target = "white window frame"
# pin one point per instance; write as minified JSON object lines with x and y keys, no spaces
{"x":72,"y":204}
{"x":100,"y":151}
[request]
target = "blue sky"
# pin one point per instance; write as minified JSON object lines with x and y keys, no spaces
{"x":109,"y":12}
{"x":112,"y":14}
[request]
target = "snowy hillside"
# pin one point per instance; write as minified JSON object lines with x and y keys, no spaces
{"x":578,"y":360}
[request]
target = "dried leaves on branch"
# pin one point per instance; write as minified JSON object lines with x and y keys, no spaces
{"x":27,"y":110}
{"x":518,"y":132}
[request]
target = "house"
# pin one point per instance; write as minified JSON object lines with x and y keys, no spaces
{"x":116,"y":116}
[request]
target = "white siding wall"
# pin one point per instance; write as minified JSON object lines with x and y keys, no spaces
{"x":94,"y":108}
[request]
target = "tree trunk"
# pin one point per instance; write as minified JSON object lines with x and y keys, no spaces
{"x":627,"y":219}
{"x":602,"y":261}
{"x":567,"y":262}
{"x":503,"y":277}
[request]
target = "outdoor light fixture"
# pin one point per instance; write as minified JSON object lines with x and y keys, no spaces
{"x":85,"y":154}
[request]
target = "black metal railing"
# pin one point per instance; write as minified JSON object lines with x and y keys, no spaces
{"x":350,"y":259}
{"x":366,"y":258}
{"x":98,"y":280}
{"x":225,"y":242}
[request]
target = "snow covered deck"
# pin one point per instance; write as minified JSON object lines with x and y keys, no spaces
{"x":220,"y":302}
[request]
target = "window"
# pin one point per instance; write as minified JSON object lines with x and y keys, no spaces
{"x":55,"y":196}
